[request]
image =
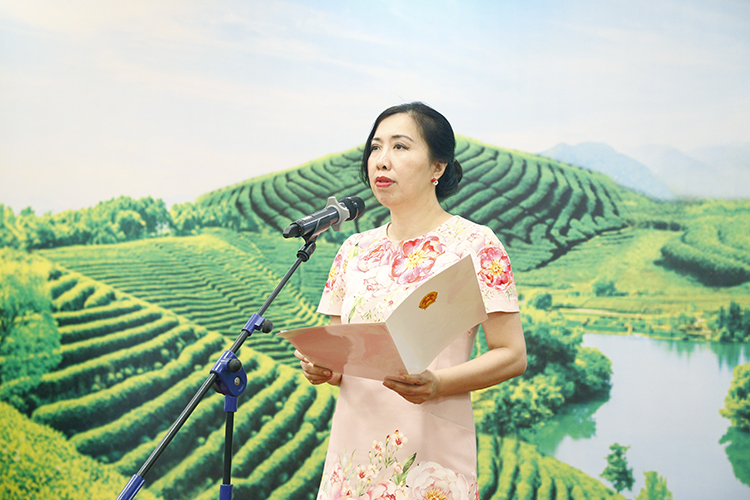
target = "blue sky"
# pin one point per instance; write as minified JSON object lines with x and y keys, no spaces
{"x":172,"y":99}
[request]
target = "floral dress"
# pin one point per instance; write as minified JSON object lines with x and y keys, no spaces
{"x":381,"y":445}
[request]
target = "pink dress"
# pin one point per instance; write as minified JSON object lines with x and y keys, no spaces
{"x":381,"y":445}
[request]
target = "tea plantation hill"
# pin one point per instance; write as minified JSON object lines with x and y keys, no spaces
{"x":133,"y":352}
{"x":217,"y":279}
{"x":137,"y":306}
{"x":540,"y":209}
{"x":129,"y":367}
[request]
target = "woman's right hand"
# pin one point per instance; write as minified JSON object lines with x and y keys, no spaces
{"x":316,"y":374}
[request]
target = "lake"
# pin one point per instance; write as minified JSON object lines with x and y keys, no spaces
{"x":664,"y":404}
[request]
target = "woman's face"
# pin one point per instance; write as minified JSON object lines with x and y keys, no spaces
{"x":399,"y":166}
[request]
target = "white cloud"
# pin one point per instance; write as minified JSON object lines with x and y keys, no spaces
{"x":85,"y":18}
{"x":234,"y":89}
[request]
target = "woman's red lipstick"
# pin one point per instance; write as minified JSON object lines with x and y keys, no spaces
{"x":383,"y":181}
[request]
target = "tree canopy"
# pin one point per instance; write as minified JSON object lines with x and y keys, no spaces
{"x":617,"y":471}
{"x":114,"y":221}
{"x":737,"y":402}
{"x":29,"y":339}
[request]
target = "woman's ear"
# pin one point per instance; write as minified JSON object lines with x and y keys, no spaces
{"x":439,"y":169}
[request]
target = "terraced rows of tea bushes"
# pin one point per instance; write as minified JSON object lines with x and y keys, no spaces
{"x":120,"y":414}
{"x":714,"y":249}
{"x":217,"y":280}
{"x":45,"y":464}
{"x":540,"y":208}
{"x":128,"y":370}
{"x":278,"y":255}
{"x":513,"y":469}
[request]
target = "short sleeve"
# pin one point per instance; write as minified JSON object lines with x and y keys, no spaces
{"x":333,"y":293}
{"x":495,"y":276}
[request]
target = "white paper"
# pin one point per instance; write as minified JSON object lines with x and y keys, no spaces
{"x":420,"y":328}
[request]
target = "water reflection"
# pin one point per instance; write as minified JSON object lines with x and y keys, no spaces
{"x":730,"y":355}
{"x":727,"y":355}
{"x":738,"y":452}
{"x":664,"y":404}
{"x":576,"y":422}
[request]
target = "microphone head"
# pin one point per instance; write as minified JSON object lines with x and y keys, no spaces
{"x":355,"y":205}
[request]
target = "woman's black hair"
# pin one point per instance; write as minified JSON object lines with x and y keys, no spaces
{"x":437,"y":133}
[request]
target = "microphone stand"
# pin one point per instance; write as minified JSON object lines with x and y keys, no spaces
{"x":227,"y":377}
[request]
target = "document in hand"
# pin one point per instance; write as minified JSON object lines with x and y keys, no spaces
{"x":426,"y":322}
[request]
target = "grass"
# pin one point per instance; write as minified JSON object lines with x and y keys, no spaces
{"x":648,"y":296}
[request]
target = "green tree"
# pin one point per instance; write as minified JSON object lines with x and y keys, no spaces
{"x":617,"y":471}
{"x":604,"y":288}
{"x":154,"y":213}
{"x":9,"y":234}
{"x":112,"y":221}
{"x":40,"y":233}
{"x":185,"y":218}
{"x":105,"y":233}
{"x":220,"y":216}
{"x":131,"y":224}
{"x":543,"y":302}
{"x":593,"y":373}
{"x":520,"y":404}
{"x":559,"y":370}
{"x":29,"y":339}
{"x":733,"y":325}
{"x":737,"y":402}
{"x":721,"y":320}
{"x":734,"y":320}
{"x":655,"y":489}
{"x":549,"y":343}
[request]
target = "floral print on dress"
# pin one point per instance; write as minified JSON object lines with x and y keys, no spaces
{"x":333,"y":273}
{"x":415,"y":259}
{"x":372,"y":274}
{"x":387,"y":477}
{"x":376,"y":255}
{"x":495,"y":267}
{"x":431,"y":481}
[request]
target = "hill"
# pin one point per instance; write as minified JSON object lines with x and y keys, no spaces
{"x":217,"y":280}
{"x":129,"y":367}
{"x":540,"y":208}
{"x":139,"y":320}
{"x":39,"y":462}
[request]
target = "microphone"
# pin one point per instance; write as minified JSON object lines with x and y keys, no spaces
{"x":333,"y":215}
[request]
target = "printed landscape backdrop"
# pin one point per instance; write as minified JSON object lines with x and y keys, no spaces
{"x":151,"y":153}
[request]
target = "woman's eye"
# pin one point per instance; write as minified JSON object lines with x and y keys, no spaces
{"x":399,"y":146}
{"x":374,"y":147}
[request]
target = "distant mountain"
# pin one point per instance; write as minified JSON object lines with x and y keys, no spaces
{"x":721,"y":171}
{"x":731,"y":157}
{"x":622,"y":169}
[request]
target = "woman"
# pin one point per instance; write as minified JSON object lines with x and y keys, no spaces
{"x":412,"y":436}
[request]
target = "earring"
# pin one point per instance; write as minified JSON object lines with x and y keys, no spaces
{"x":434,"y":181}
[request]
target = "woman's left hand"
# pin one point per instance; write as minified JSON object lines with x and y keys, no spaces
{"x":415,"y":388}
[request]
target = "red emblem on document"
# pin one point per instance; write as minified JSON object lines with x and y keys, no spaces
{"x":428,"y":300}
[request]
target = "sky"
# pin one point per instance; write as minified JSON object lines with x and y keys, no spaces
{"x":176,"y":98}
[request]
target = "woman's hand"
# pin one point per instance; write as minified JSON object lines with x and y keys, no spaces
{"x":505,"y":359}
{"x":316,"y":375}
{"x":415,"y":388}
